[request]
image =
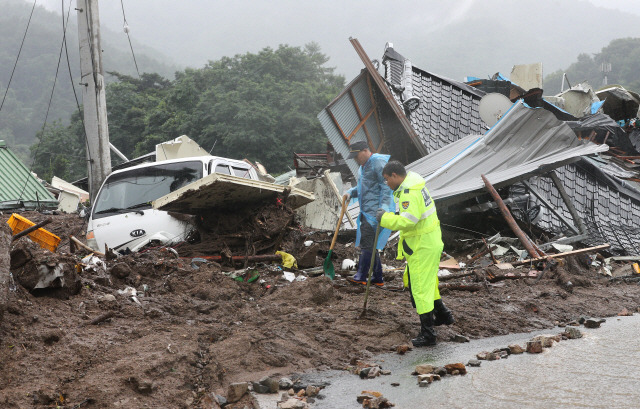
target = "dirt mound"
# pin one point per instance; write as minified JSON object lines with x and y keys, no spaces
{"x":151,"y":329}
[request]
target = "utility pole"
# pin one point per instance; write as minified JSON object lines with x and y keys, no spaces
{"x":93,"y":95}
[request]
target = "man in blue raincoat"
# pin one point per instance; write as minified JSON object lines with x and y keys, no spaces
{"x":373,"y":193}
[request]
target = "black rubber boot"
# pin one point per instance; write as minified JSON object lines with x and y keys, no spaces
{"x":443,"y":315}
{"x":427,"y":336}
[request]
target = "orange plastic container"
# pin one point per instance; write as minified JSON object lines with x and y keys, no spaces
{"x":44,"y":238}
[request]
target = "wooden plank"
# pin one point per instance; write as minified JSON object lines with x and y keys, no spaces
{"x":560,"y":255}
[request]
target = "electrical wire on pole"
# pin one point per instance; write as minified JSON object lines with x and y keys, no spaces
{"x":18,"y":56}
{"x":126,"y":30}
{"x":53,"y":88}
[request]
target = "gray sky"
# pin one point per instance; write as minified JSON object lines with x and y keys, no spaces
{"x":191,"y":32}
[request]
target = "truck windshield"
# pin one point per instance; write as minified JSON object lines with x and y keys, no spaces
{"x":137,"y":188}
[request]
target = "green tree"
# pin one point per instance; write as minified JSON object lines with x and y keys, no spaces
{"x":60,"y":151}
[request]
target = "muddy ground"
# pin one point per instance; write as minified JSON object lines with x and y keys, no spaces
{"x":194,"y":330}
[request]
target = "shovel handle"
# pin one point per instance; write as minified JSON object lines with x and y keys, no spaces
{"x":335,"y":235}
{"x":373,"y":260}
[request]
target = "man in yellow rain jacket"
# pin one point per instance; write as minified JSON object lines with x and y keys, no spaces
{"x":420,"y":244}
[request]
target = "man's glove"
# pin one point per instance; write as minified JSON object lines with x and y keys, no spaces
{"x":379,"y":214}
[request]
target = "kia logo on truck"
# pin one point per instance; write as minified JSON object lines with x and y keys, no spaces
{"x":137,"y":233}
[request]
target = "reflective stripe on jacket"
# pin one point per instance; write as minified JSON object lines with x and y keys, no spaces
{"x":420,"y":239}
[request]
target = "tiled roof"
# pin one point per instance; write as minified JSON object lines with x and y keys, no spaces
{"x":609,"y":208}
{"x":448,"y":109}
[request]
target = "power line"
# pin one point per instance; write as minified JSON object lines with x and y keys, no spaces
{"x":55,"y":80}
{"x":126,"y":30}
{"x":18,"y":56}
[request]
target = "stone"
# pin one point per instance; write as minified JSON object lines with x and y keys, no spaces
{"x":425,"y":378}
{"x":292,"y":404}
{"x":120,"y":270}
{"x":285,"y":383}
{"x":402,"y":349}
{"x":546,"y":340}
{"x":455,"y":372}
{"x":312,"y":390}
{"x":459,"y":338}
{"x":458,"y":366}
{"x":423,"y":383}
{"x":108,"y":298}
{"x":393,"y":383}
{"x":591,"y":323}
{"x":482,"y":355}
{"x":625,"y":313}
{"x":572,"y":333}
{"x":259,"y":388}
{"x":271,"y":383}
{"x":291,"y":392}
{"x":441,"y":370}
{"x":375,"y":371}
{"x":436,"y":377}
{"x":424,"y":369}
{"x":364,"y":372}
{"x":385,"y":372}
{"x":235,"y":391}
{"x":516,"y":349}
{"x":209,"y":401}
{"x":474,"y":362}
{"x":301,"y":393}
{"x":221,"y":400}
{"x":534,"y":347}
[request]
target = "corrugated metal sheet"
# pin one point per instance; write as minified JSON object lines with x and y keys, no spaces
{"x":18,"y":187}
{"x":525,"y":142}
{"x":346,"y":115}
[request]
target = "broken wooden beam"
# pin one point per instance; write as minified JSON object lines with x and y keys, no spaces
{"x":259,"y":257}
{"x":454,"y":276}
{"x":460,"y":287}
{"x":84,"y":246}
{"x":524,"y":239}
{"x":560,"y":255}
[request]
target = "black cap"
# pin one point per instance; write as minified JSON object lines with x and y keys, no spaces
{"x":356,"y":147}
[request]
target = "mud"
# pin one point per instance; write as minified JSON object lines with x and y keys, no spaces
{"x":192,"y":330}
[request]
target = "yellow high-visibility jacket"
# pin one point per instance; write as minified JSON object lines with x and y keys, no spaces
{"x":420,"y":239}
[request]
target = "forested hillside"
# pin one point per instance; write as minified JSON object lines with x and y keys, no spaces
{"x":24,"y":108}
{"x":624,"y":56}
{"x":259,"y":106}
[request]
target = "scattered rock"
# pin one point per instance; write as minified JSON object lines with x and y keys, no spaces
{"x":292,"y":403}
{"x":474,"y":362}
{"x":402,"y":349}
{"x":488,"y":356}
{"x":235,"y":391}
{"x":271,"y":383}
{"x":285,"y":383}
{"x":424,"y":369}
{"x":534,"y":347}
{"x":546,"y":340}
{"x":423,"y":384}
{"x":459,"y":338}
{"x":385,"y":372}
{"x":364,"y":372}
{"x":395,"y":384}
{"x":425,"y":378}
{"x":440,"y":371}
{"x":375,"y":371}
{"x":625,"y":313}
{"x":312,"y":390}
{"x":572,"y":333}
{"x":591,"y":323}
{"x":120,"y":270}
{"x":515,"y":349}
{"x":259,"y":388}
{"x":459,"y":366}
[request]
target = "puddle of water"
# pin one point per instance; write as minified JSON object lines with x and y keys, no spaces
{"x":600,"y":370}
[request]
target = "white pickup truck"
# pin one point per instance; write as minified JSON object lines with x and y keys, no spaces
{"x":122,"y":216}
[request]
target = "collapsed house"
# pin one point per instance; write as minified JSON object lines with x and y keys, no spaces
{"x":567,"y":169}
